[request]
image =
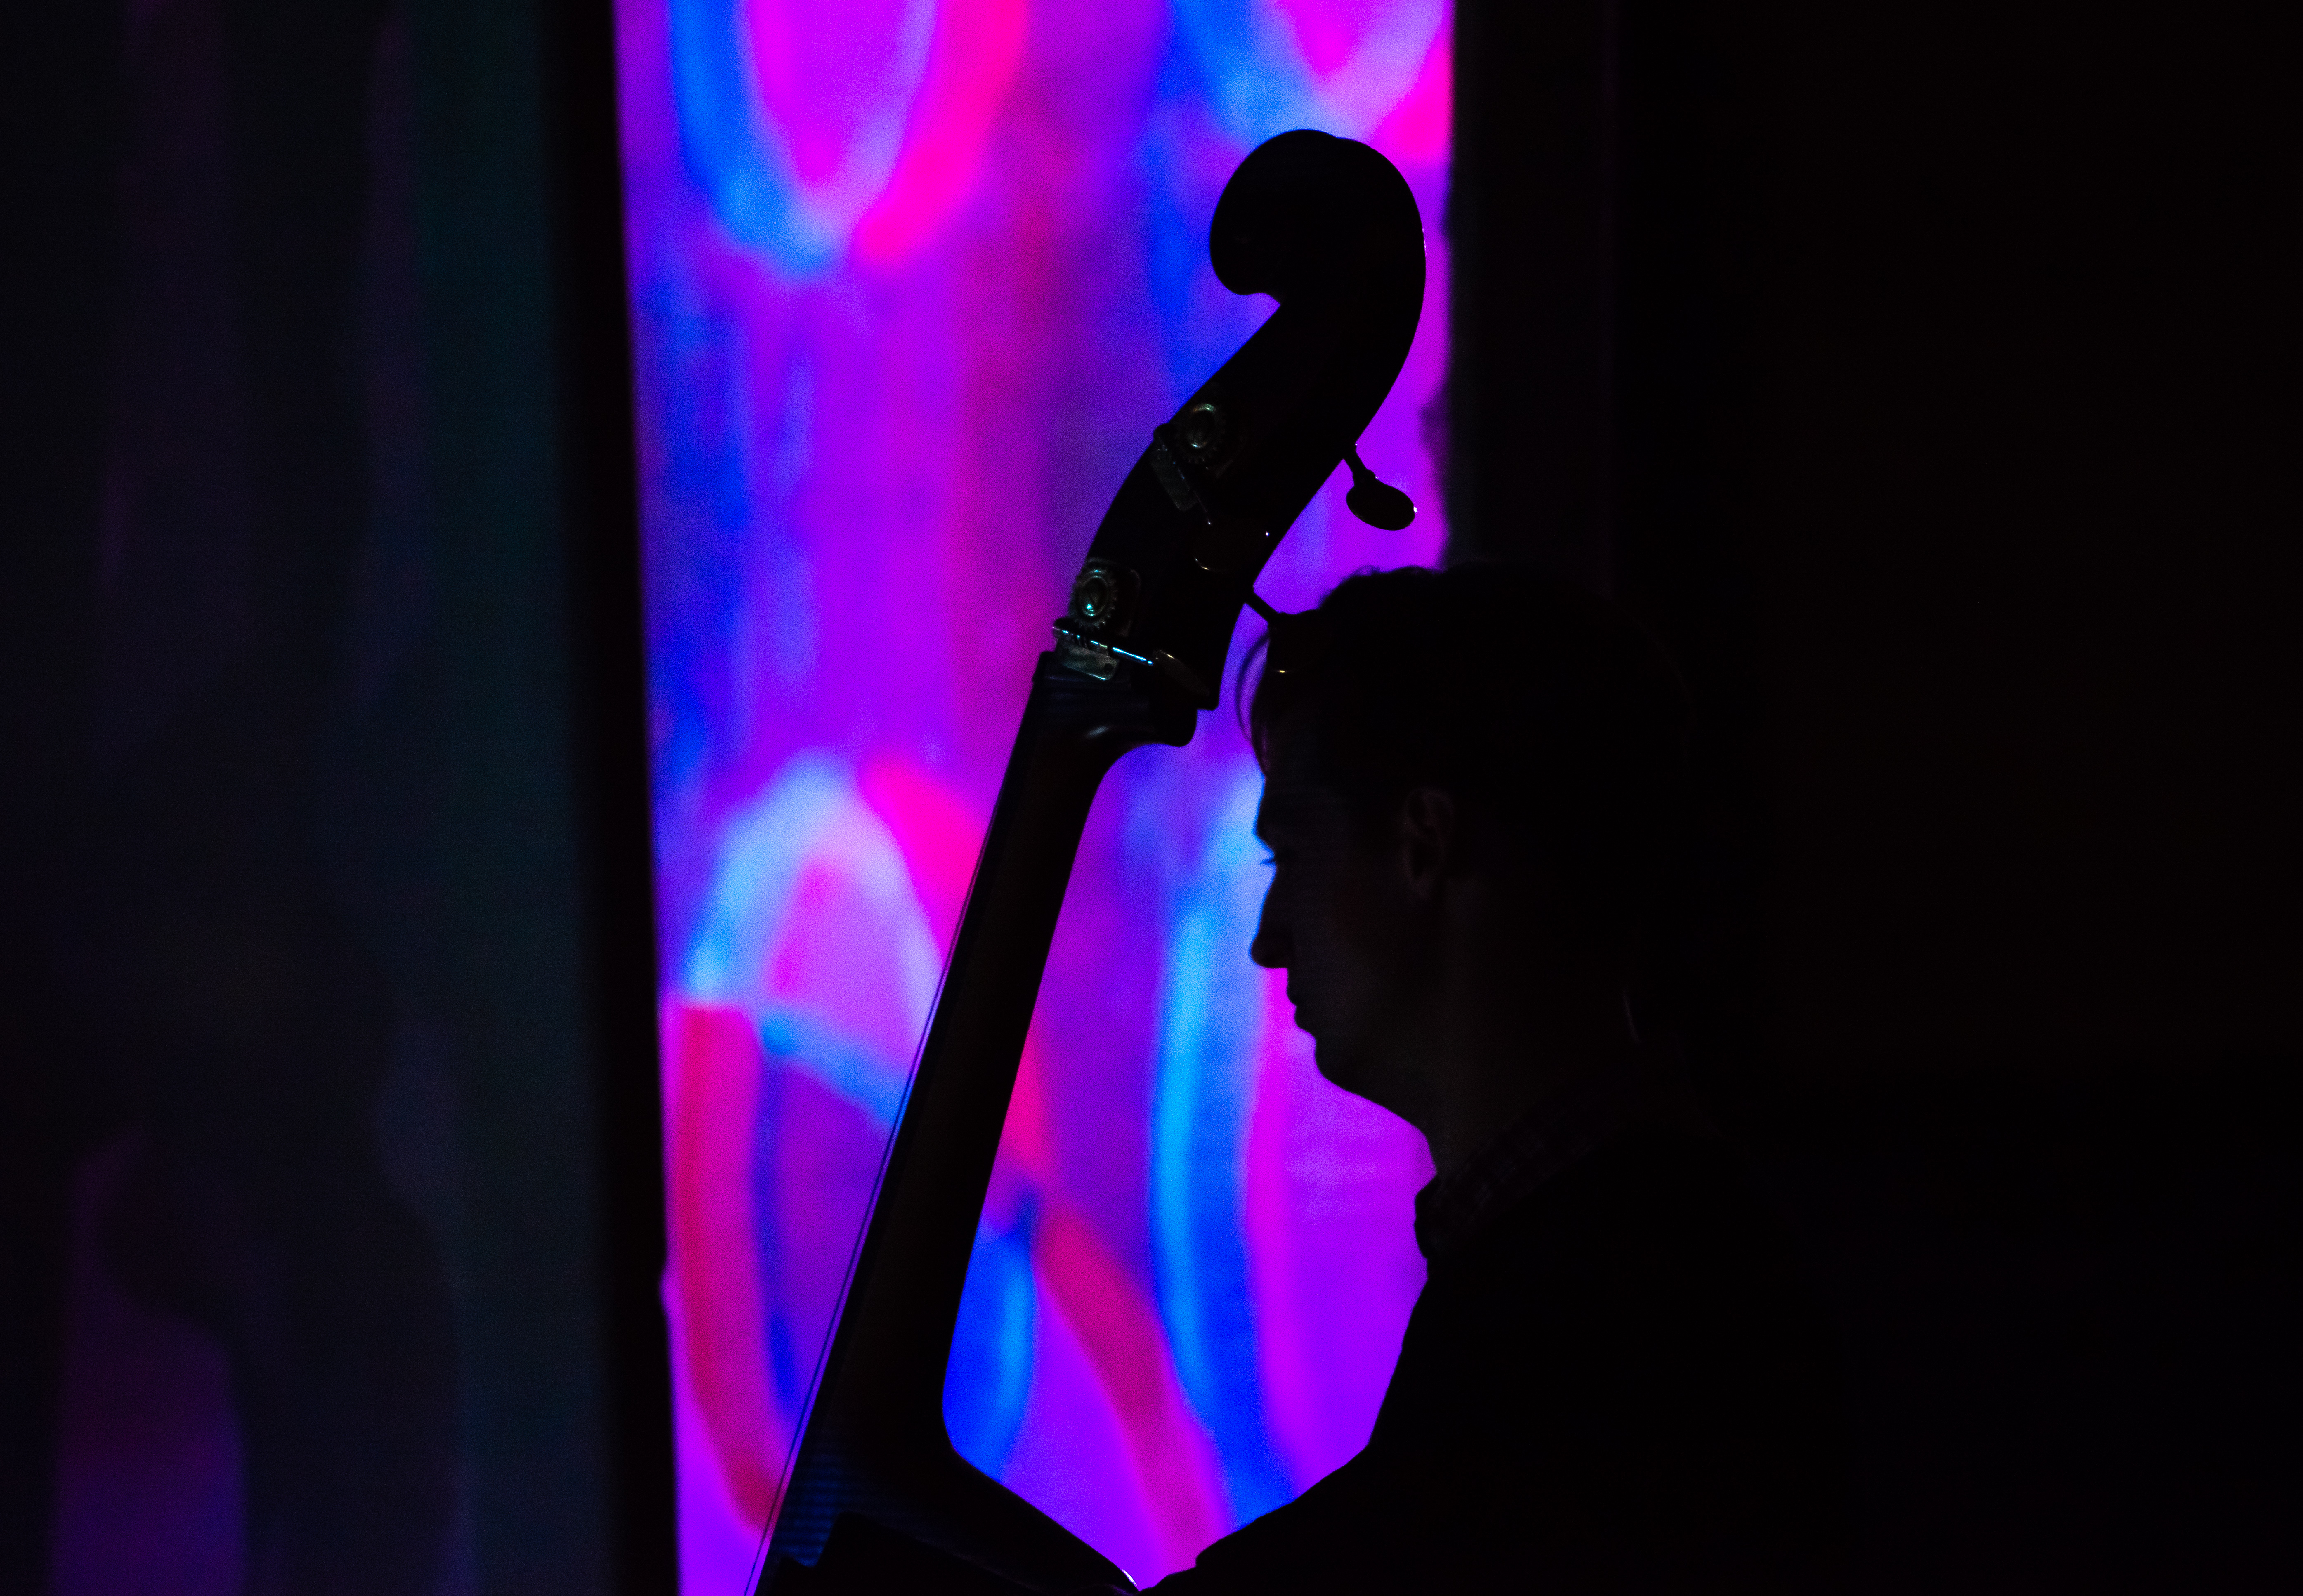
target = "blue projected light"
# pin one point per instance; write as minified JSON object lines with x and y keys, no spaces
{"x":1261,"y":80}
{"x":990,"y":1371}
{"x":741,"y":152}
{"x":1211,"y":1034}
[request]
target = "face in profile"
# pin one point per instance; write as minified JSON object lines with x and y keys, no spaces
{"x":1341,"y":919}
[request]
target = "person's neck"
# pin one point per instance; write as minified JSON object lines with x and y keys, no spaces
{"x":1495,"y":1063}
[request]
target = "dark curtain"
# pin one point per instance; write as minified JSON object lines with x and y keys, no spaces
{"x":324,"y":928}
{"x":1927,"y":377}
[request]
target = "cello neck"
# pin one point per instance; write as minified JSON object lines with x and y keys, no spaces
{"x":882,"y":1396}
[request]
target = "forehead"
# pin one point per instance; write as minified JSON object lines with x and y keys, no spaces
{"x":1294,"y":799}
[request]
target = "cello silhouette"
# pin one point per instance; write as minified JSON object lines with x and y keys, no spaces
{"x":878,"y":1500}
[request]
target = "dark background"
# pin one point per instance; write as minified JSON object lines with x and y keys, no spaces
{"x":327,"y":977}
{"x":1927,"y":377}
{"x":1925,"y":374}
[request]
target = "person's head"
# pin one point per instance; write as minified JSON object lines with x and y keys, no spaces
{"x":1471,"y":785}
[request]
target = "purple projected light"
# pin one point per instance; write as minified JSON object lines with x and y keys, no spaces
{"x":913,"y":279}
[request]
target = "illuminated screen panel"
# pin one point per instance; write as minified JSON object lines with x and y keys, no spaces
{"x":912,"y":281}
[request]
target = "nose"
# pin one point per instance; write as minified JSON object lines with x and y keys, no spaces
{"x":1272,"y":947}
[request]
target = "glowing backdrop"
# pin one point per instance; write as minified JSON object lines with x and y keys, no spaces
{"x":912,"y":281}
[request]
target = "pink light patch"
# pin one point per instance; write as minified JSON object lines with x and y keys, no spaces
{"x":939,"y":834}
{"x":1115,"y":1324}
{"x":839,"y":957}
{"x":1071,"y":1457}
{"x":1419,"y":130}
{"x":1331,"y":1246}
{"x":719,"y":1542}
{"x":971,"y":67}
{"x":711,"y":1089}
{"x":826,"y":70}
{"x":823,"y":1158}
{"x":1119,"y":1328}
{"x":1328,"y":32}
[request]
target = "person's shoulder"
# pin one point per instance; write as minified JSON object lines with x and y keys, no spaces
{"x":1665,"y":1221}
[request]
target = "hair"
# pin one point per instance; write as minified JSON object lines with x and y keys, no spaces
{"x":1548,"y":709}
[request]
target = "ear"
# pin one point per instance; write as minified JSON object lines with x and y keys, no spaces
{"x":1431,"y":843}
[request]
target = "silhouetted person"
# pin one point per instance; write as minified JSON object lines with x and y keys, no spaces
{"x":1611,"y":1380}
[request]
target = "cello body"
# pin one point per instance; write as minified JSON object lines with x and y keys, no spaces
{"x":877,"y":1498}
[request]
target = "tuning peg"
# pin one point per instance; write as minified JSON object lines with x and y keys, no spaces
{"x":1374,"y":500}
